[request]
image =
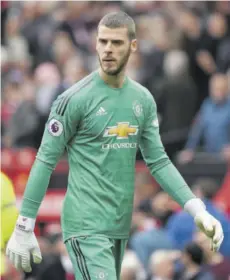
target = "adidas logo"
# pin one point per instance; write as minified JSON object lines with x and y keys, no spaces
{"x":101,"y":112}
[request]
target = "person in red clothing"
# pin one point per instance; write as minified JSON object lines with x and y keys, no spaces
{"x":222,"y":197}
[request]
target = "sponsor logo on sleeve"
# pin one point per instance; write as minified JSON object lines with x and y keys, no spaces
{"x":55,"y":127}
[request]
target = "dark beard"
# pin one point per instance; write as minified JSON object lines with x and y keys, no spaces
{"x":120,"y":68}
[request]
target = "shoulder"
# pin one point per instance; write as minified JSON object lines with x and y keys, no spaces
{"x":141,"y":90}
{"x":207,"y":102}
{"x":206,"y":105}
{"x":75,"y":95}
{"x":80,"y":88}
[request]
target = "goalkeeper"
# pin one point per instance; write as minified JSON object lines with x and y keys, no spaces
{"x":101,"y":121}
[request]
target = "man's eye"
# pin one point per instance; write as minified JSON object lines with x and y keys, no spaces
{"x":102,"y":41}
{"x":117,"y":42}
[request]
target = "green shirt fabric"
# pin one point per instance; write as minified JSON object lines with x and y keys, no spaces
{"x":101,"y":129}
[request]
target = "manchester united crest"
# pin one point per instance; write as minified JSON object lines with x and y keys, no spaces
{"x":137,"y":108}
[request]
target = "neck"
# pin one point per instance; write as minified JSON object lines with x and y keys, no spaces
{"x":115,"y":81}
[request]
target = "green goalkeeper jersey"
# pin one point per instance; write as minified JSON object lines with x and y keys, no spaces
{"x":101,"y":129}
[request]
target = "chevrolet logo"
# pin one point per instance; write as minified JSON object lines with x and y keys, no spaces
{"x":121,"y":131}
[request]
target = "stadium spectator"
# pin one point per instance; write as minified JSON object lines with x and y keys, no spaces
{"x":58,"y":266}
{"x":215,"y":261}
{"x":161,"y":265}
{"x":177,"y":96}
{"x":22,"y":127}
{"x":131,"y":267}
{"x":212,"y":123}
{"x":193,"y":259}
{"x":191,"y":25}
{"x":38,"y":28}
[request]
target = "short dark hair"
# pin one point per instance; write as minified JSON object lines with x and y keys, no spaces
{"x":118,"y":20}
{"x":195,"y":253}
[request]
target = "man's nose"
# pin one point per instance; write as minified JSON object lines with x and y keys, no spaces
{"x":108,"y":47}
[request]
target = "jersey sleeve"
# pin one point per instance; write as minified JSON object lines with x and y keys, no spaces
{"x":151,"y":145}
{"x":157,"y":160}
{"x":60,"y":128}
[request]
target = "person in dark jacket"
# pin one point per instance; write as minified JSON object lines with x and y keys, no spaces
{"x":176,"y":101}
{"x":193,"y":259}
{"x":215,"y":262}
{"x":59,"y":266}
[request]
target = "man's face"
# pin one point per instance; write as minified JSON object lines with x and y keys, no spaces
{"x":164,"y":269}
{"x":113,"y":48}
{"x":218,"y":88}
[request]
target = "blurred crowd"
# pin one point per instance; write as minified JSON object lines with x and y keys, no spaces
{"x":183,"y":59}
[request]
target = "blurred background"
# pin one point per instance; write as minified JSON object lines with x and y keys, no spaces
{"x":184,"y":60}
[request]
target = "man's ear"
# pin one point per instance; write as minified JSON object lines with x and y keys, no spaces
{"x":133,"y":45}
{"x":96,"y":43}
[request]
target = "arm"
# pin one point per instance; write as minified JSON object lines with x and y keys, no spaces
{"x":59,"y":130}
{"x":158,"y":162}
{"x":170,"y":179}
{"x":226,"y":148}
{"x":196,"y":131}
{"x":194,"y":137}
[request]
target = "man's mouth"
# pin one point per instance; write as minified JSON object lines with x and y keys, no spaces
{"x":108,"y":59}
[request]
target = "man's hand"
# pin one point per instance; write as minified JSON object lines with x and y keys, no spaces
{"x":226,"y":153}
{"x":23,"y":244}
{"x":211,"y":227}
{"x":185,"y":156}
